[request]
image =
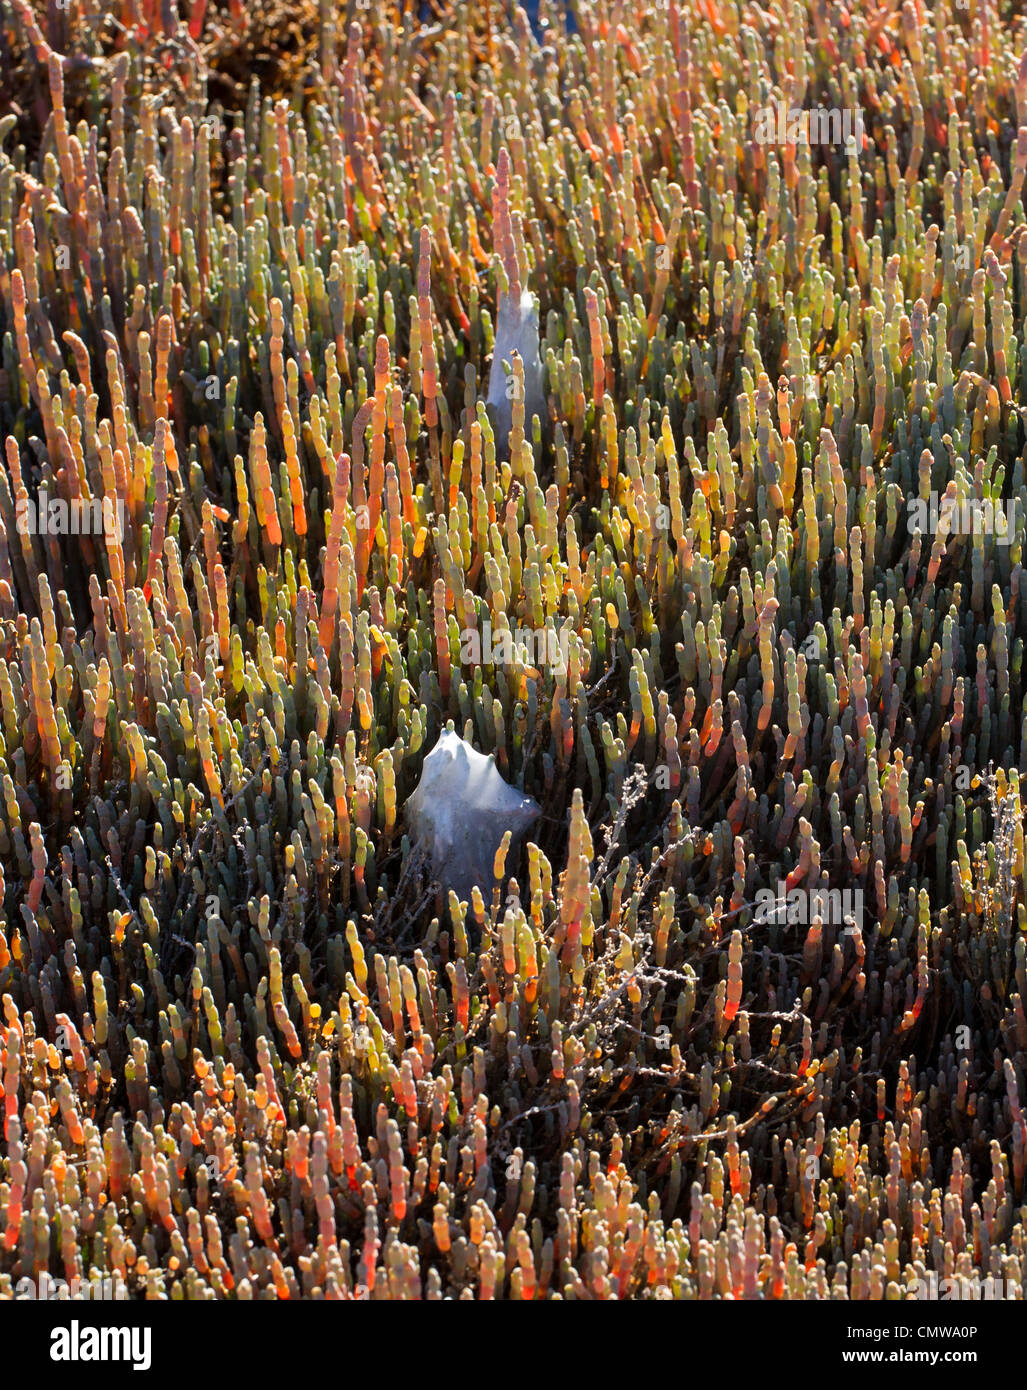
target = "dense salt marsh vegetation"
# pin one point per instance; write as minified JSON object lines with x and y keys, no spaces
{"x":340,"y":346}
